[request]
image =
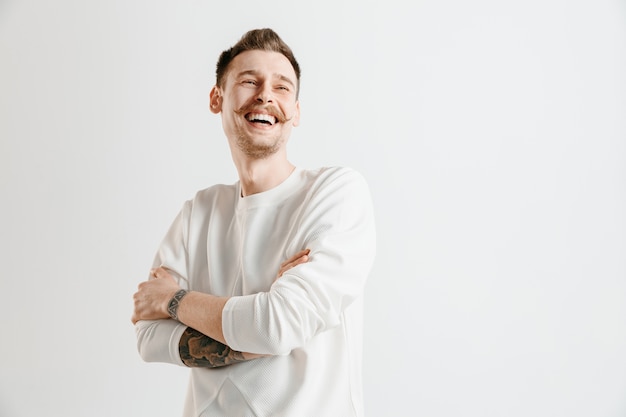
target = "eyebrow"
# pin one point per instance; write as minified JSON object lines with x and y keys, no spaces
{"x":276,"y":75}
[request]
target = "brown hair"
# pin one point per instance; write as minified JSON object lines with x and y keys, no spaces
{"x":256,"y":39}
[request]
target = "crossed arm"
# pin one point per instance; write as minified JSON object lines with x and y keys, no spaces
{"x":198,"y":350}
{"x":202,"y":343}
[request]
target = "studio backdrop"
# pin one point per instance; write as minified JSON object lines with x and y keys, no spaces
{"x":492,"y":136}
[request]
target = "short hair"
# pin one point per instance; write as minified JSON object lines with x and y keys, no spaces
{"x":256,"y":39}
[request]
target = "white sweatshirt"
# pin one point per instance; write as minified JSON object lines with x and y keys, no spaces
{"x":310,"y":319}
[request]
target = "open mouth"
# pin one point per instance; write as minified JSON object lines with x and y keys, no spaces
{"x":266,"y":119}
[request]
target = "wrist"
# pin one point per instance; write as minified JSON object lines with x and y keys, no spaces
{"x":174,"y":303}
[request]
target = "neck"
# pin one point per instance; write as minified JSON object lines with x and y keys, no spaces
{"x":259,"y":175}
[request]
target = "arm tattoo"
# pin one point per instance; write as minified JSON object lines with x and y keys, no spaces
{"x":198,"y":350}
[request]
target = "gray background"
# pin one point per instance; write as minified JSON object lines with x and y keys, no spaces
{"x":493,"y":137}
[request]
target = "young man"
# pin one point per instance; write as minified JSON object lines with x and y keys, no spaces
{"x":258,"y":286}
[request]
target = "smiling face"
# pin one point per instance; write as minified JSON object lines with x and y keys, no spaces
{"x":258,"y":102}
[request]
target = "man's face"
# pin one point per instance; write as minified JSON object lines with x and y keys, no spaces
{"x":258,"y":102}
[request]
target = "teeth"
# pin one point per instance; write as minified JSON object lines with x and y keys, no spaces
{"x":258,"y":117}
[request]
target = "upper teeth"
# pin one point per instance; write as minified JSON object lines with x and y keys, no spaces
{"x":264,"y":117}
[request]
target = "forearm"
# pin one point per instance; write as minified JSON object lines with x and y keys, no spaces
{"x":203,"y":312}
{"x":158,"y":340}
{"x":198,"y":350}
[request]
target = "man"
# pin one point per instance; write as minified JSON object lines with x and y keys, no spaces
{"x":258,"y":286}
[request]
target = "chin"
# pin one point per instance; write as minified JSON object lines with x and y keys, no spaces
{"x":258,"y":149}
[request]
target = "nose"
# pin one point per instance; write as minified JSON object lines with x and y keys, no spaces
{"x":264,"y":94}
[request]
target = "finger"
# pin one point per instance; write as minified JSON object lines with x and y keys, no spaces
{"x":302,"y":259}
{"x":160,"y":272}
{"x":284,"y":268}
{"x":296,"y":257}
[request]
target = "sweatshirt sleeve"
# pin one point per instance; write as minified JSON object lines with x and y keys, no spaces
{"x":338,"y":227}
{"x":157,"y":340}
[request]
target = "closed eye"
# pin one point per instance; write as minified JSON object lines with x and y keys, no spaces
{"x":282,"y":89}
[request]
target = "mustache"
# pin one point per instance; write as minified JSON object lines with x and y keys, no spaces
{"x":274,"y":111}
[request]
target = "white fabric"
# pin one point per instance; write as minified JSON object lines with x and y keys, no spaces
{"x":310,"y":319}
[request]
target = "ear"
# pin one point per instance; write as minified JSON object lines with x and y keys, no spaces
{"x":296,"y":117}
{"x":215,"y":100}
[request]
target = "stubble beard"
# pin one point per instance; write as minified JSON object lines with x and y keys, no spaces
{"x":256,"y":150}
